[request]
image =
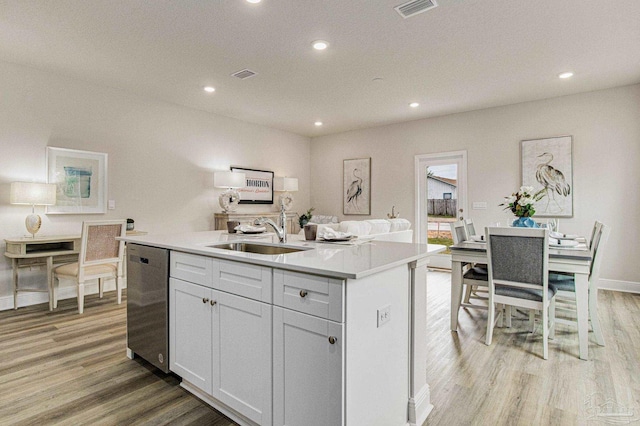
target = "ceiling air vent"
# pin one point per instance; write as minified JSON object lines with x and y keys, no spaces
{"x":414,"y":7}
{"x":242,"y":74}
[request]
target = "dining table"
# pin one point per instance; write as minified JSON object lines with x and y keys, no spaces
{"x":573,"y":260}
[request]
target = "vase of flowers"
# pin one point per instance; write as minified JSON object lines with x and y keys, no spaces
{"x":521,"y":204}
{"x":305,"y":218}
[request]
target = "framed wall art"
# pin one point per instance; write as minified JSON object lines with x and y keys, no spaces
{"x":81,"y":180}
{"x":357,"y":186}
{"x":547,"y":165}
{"x":259,"y":186}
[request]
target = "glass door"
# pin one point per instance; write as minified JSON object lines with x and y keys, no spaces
{"x":440,"y":199}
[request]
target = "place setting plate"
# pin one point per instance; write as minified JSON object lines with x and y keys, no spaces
{"x":566,"y":244}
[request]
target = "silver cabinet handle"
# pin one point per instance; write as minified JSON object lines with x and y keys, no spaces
{"x":332,"y":340}
{"x":303,"y":293}
{"x":213,"y":302}
{"x":205,"y":300}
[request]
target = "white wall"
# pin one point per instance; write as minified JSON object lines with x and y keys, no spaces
{"x":161,"y":157}
{"x":605,"y":126}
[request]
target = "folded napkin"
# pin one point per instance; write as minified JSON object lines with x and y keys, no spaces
{"x":249,"y":228}
{"x":331,"y":234}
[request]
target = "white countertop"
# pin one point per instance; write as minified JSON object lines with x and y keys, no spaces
{"x":334,"y":260}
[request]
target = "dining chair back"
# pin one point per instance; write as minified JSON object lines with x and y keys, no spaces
{"x":470,"y":228}
{"x":567,"y":288}
{"x":595,"y":236}
{"x":459,"y":232}
{"x":101,"y":256}
{"x":518,"y":275}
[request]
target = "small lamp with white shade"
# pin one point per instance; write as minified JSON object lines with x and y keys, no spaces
{"x":33,"y":194}
{"x":230,"y":198}
{"x":286,"y":185}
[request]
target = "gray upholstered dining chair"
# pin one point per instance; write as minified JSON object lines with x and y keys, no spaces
{"x":474,"y":276}
{"x":478,"y":272}
{"x":101,"y":256}
{"x":518,"y":261}
{"x":567,"y":288}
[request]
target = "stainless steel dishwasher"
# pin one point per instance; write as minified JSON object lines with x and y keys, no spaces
{"x":148,"y":304}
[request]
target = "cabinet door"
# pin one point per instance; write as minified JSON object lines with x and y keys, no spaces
{"x":190,"y":332}
{"x":242,"y":355}
{"x":308,"y":376}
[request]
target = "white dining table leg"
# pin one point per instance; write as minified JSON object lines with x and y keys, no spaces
{"x":456,"y":292}
{"x":582,"y":306}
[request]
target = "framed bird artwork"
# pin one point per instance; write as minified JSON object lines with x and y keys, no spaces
{"x":547,"y":165}
{"x":357,"y":186}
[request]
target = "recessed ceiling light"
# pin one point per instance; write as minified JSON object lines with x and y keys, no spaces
{"x":566,"y":74}
{"x":209,"y":89}
{"x":318,"y":123}
{"x":254,"y":1}
{"x":320,"y":44}
{"x":414,"y":105}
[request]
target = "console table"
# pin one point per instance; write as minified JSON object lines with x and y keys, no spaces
{"x":27,"y":252}
{"x":248,"y":219}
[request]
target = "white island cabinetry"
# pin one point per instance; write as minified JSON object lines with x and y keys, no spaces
{"x":220,"y":343}
{"x":326,"y":335}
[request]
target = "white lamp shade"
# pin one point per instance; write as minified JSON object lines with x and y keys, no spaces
{"x":31,"y":193}
{"x":229,"y":180}
{"x":285,"y":184}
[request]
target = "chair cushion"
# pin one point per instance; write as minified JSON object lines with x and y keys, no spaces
{"x":525,"y":293}
{"x":562,"y":282}
{"x":399,"y":224}
{"x":318,"y":218}
{"x":379,"y":226}
{"x":71,"y":269}
{"x":477,"y":273}
{"x":356,"y":227}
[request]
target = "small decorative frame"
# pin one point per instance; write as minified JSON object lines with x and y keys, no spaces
{"x":81,"y":179}
{"x":356,"y":186}
{"x":547,"y":164}
{"x":259,"y":186}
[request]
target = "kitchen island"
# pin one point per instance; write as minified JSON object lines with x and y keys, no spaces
{"x":327,"y":334}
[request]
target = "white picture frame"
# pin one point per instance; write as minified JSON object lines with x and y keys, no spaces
{"x":547,"y":164}
{"x":81,"y":180}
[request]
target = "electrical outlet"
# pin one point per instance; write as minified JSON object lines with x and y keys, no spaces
{"x":384,"y":315}
{"x":111,"y":205}
{"x":479,"y":205}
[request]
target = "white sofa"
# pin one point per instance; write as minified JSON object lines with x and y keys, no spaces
{"x":398,"y":230}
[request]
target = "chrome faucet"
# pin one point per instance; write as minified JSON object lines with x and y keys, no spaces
{"x":281,"y":231}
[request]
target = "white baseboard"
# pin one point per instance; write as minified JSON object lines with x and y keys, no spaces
{"x":64,"y":292}
{"x":420,"y":407}
{"x":617,"y":285}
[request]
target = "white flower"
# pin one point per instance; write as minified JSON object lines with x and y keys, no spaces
{"x":526,"y":189}
{"x":524,"y":201}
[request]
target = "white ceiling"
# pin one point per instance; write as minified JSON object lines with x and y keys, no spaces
{"x":462,"y":55}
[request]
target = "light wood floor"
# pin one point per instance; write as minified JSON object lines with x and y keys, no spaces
{"x":63,"y":368}
{"x":509,"y":383}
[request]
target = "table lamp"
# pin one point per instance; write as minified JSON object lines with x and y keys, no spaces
{"x":285,"y":184}
{"x":34,"y":194}
{"x":230,"y":198}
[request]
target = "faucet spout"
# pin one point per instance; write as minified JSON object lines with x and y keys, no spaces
{"x":281,"y":231}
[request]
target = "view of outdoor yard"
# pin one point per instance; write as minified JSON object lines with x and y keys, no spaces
{"x":442,"y":203}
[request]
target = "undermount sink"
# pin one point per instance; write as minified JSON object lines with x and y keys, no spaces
{"x":258,"y":248}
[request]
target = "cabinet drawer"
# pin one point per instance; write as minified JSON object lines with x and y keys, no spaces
{"x":311,"y":294}
{"x":192,"y":268}
{"x":243,"y":279}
